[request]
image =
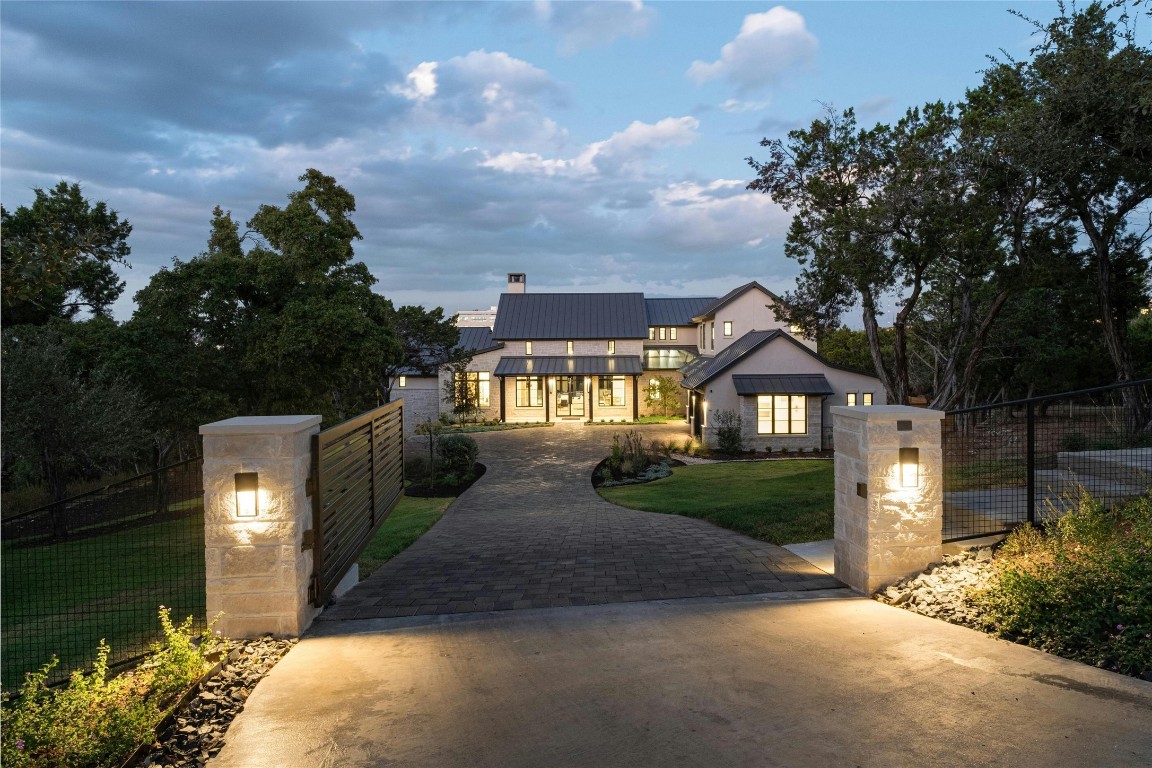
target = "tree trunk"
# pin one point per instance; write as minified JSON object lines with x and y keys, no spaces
{"x":872,"y":332}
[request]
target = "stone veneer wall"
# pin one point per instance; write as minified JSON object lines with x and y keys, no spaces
{"x":257,"y":572}
{"x":884,"y":531}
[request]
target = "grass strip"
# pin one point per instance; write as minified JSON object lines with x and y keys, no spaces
{"x":411,"y":518}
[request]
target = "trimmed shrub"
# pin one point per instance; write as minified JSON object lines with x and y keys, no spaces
{"x":458,"y":454}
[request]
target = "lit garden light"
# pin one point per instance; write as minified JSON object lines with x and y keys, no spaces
{"x":909,"y":467}
{"x":247,"y":494}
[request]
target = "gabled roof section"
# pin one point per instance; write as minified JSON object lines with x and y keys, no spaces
{"x":715,"y":306}
{"x":477,"y":340}
{"x":571,"y":316}
{"x":703,"y":369}
{"x":675,"y":311}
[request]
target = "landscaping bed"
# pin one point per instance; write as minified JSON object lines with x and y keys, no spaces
{"x":1081,"y":588}
{"x":446,"y":491}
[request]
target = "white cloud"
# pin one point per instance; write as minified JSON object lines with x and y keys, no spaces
{"x":737,"y":106}
{"x":768,"y":44}
{"x":722,"y":214}
{"x":420,"y":84}
{"x":624,"y":152}
{"x":594,"y":24}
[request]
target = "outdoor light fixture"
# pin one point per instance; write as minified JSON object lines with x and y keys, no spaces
{"x":247,"y":494}
{"x":909,"y":467}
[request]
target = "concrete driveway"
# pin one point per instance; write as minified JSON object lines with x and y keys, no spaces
{"x":532,"y":533}
{"x":769,"y":680}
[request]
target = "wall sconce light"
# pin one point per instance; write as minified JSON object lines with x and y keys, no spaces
{"x":247,"y":494}
{"x":909,"y":467}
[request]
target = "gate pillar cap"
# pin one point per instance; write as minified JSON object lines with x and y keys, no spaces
{"x":260,"y":425}
{"x":886,"y":412}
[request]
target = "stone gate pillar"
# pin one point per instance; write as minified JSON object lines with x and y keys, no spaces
{"x":889,"y":493}
{"x":257,"y":569}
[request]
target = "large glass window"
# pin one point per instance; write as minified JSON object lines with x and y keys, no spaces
{"x":529,"y":392}
{"x":611,"y":390}
{"x":782,"y":414}
{"x":477,"y":387}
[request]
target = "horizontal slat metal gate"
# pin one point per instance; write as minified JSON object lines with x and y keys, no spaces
{"x":358,"y":478}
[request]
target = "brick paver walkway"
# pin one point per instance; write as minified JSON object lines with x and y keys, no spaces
{"x":532,"y":533}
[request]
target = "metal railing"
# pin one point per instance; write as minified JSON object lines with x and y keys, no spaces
{"x":99,"y":566}
{"x":1029,"y":460}
{"x":357,"y":480}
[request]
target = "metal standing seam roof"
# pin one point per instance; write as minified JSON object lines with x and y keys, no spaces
{"x":626,"y":365}
{"x":782,"y":384}
{"x":571,"y":316}
{"x":477,"y":339}
{"x":711,"y":309}
{"x":702,"y":369}
{"x":675,"y":311}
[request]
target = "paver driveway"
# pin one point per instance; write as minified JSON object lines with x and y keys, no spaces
{"x":532,"y":533}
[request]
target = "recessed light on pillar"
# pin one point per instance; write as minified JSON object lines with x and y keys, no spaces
{"x":247,"y":495}
{"x":909,"y":467}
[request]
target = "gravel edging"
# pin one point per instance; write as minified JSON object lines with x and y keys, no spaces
{"x":942,"y":590}
{"x":197,"y":731}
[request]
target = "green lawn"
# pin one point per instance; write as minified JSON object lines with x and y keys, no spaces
{"x":63,"y":597}
{"x":408,"y":522}
{"x":781,"y":502}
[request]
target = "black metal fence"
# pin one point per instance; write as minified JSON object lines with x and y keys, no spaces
{"x":1030,"y":460}
{"x":99,"y":566}
{"x":358,"y":476}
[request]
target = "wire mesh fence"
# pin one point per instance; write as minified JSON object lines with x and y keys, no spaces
{"x":98,"y":567}
{"x":1031,"y":460}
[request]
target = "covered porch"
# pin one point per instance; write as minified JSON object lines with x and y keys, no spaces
{"x":569,"y":388}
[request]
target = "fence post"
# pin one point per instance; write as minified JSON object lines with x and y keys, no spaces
{"x":257,"y":571}
{"x":889,"y":493}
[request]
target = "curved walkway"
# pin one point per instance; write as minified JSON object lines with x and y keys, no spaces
{"x":532,"y":533}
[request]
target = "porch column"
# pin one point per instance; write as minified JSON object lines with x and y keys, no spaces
{"x":257,"y":572}
{"x":635,"y":398}
{"x":889,"y":493}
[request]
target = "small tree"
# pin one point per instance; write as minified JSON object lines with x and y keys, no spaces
{"x":664,"y":395}
{"x":729,"y":426}
{"x":431,"y":429}
{"x":462,"y":391}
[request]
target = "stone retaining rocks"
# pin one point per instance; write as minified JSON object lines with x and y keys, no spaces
{"x":197,"y":732}
{"x":942,"y":590}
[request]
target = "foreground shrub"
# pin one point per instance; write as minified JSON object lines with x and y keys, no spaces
{"x":95,"y":720}
{"x":729,"y":427}
{"x":1081,"y":589}
{"x":458,"y":455}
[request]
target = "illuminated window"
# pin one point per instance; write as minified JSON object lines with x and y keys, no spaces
{"x":571,"y":346}
{"x":672,"y":334}
{"x":652,"y":334}
{"x":403,"y":381}
{"x":611,"y":347}
{"x":527,"y":347}
{"x":782,"y":414}
{"x":663,"y":334}
{"x":727,"y":327}
{"x":611,"y":390}
{"x":851,"y":398}
{"x":475,"y":387}
{"x":796,"y":330}
{"x":867,"y":398}
{"x":529,"y":392}
{"x":712,"y":326}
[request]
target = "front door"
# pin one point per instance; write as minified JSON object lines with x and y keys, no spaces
{"x":570,"y":396}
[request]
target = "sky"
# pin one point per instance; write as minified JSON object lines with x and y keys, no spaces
{"x":593,"y":146}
